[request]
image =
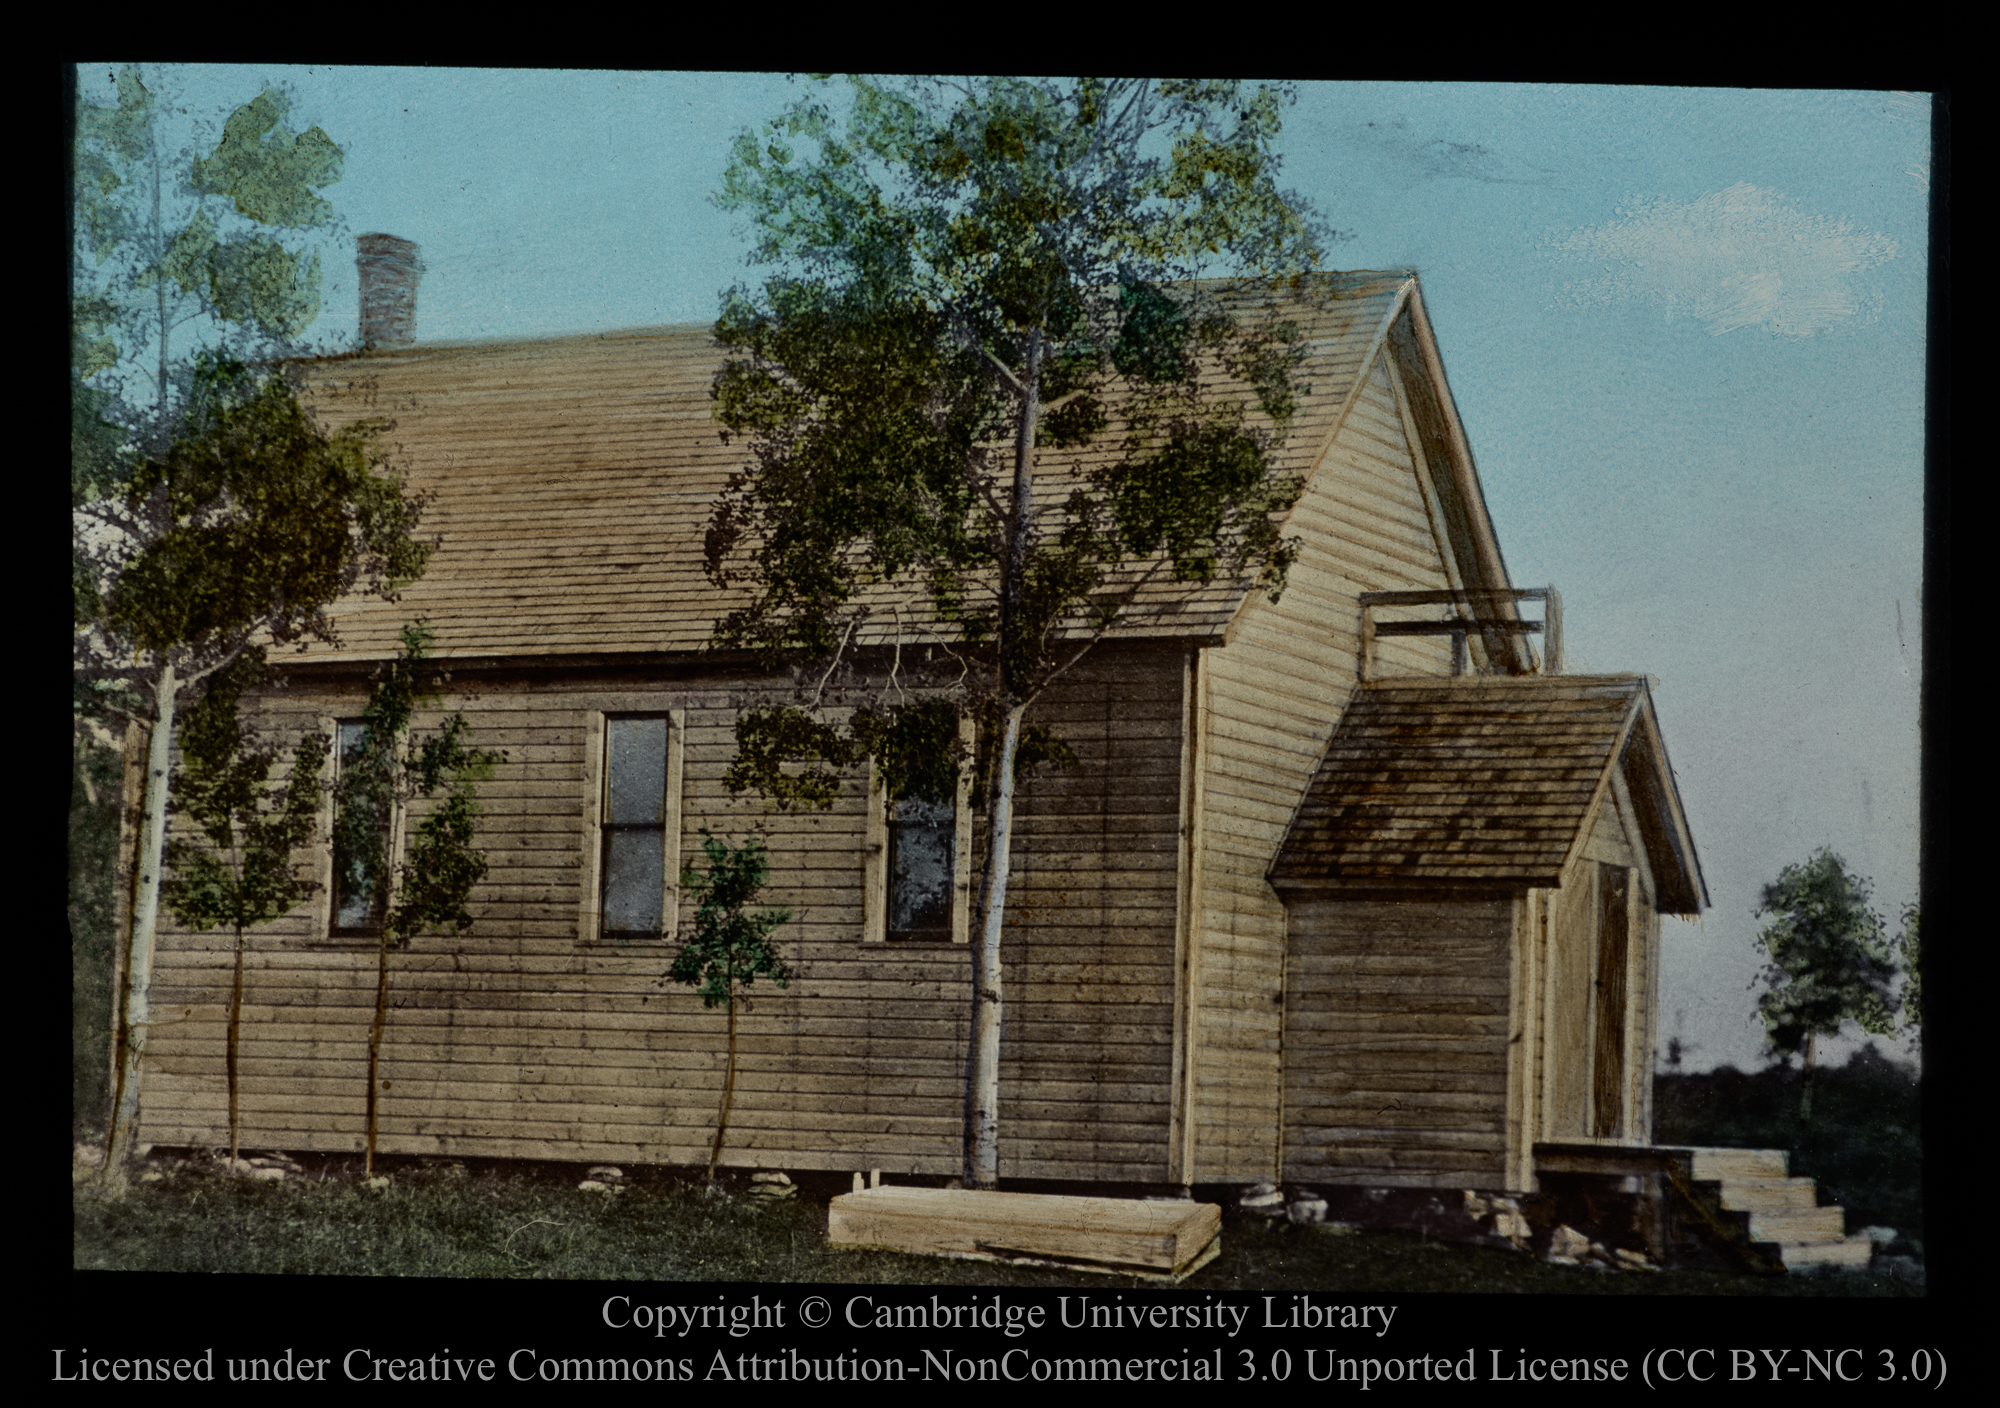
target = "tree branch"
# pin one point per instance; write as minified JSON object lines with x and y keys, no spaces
{"x":985,"y":490}
{"x":1005,"y":370}
{"x":1098,"y":635}
{"x":839,"y":650}
{"x":895,"y":660}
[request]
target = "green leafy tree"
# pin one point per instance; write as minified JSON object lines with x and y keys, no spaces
{"x":383,"y":775}
{"x":1830,"y":961}
{"x":730,"y":946}
{"x":212,"y":242}
{"x":238,"y":869}
{"x":236,"y":532}
{"x":977,"y":283}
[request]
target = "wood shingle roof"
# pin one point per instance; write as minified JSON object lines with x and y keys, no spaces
{"x":571,"y":480}
{"x":1484,"y":782}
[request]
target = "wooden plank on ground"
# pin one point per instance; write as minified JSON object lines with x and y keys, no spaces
{"x":1121,"y":1236}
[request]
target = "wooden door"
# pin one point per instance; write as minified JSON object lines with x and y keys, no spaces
{"x":1571,"y":941}
{"x":1614,"y":890}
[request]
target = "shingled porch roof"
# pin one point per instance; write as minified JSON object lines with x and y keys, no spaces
{"x":1483,"y":783}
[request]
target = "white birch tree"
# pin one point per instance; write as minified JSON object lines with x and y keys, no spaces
{"x":968,"y":277}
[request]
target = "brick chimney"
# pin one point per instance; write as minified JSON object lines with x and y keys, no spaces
{"x":389,"y":272}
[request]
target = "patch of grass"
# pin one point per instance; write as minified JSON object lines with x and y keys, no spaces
{"x":1863,"y":1145}
{"x":509,"y":1225}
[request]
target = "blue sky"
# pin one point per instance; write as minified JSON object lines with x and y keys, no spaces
{"x":1684,"y":329}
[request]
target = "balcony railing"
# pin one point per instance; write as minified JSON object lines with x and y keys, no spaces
{"x":1490,"y":616}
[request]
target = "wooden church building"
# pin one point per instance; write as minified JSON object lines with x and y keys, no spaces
{"x":1350,"y":887}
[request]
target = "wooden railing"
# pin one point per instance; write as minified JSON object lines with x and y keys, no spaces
{"x":1479,"y":612}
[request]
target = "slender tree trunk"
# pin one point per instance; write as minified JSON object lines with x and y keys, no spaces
{"x":145,"y":925}
{"x":375,"y":1043}
{"x":982,"y":1057}
{"x":728,"y":1088}
{"x":131,"y":810}
{"x":235,"y":1025}
{"x":159,"y":282}
{"x":1805,"y":1096}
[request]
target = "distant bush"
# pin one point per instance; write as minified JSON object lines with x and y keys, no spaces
{"x":1863,"y":1145}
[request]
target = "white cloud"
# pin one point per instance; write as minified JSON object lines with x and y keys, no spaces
{"x":1738,"y":258}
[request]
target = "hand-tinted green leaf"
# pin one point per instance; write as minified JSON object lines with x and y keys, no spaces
{"x":269,"y":172}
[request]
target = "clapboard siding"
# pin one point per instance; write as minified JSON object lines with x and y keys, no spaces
{"x":514,"y":1037}
{"x":1396,"y":1042}
{"x":1273,"y":694}
{"x":1167,"y":1017}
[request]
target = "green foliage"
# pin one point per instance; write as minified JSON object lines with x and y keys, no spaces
{"x":966,"y":272}
{"x":431,"y":888}
{"x":915,"y":746}
{"x":862,"y":420}
{"x":1910,"y":949}
{"x":1830,"y":959}
{"x":250,"y":516}
{"x":973,"y":279}
{"x":795,"y":760}
{"x":269,"y":173}
{"x":443,"y":867}
{"x":729,"y":944}
{"x":790,"y":757}
{"x":241,"y":871}
{"x":166,"y":239}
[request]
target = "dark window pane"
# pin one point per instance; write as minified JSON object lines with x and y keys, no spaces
{"x":636,"y":761}
{"x":635,"y":876}
{"x":922,"y":843}
{"x":360,"y":837}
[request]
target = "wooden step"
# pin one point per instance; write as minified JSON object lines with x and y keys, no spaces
{"x":1740,"y":1163}
{"x":1799,"y":1225}
{"x":1122,"y":1236}
{"x":1848,"y":1251}
{"x":1768,"y":1194}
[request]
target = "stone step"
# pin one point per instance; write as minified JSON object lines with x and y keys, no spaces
{"x":1848,"y":1251}
{"x":1799,"y":1225}
{"x":1740,"y":1163}
{"x":1768,"y":1194}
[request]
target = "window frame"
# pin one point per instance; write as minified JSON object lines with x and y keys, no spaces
{"x":878,"y":841}
{"x":326,"y":926}
{"x":597,"y":828}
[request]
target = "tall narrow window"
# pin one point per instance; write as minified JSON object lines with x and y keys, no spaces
{"x":633,"y":830}
{"x":917,"y":864}
{"x":363,"y":824}
{"x":923,"y":867}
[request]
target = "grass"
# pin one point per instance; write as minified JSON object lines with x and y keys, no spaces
{"x":512,"y":1223}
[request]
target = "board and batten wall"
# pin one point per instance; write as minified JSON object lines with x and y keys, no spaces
{"x":1396,"y":1042}
{"x":516,"y":1039}
{"x":1266,"y":703}
{"x":1431,"y":1042}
